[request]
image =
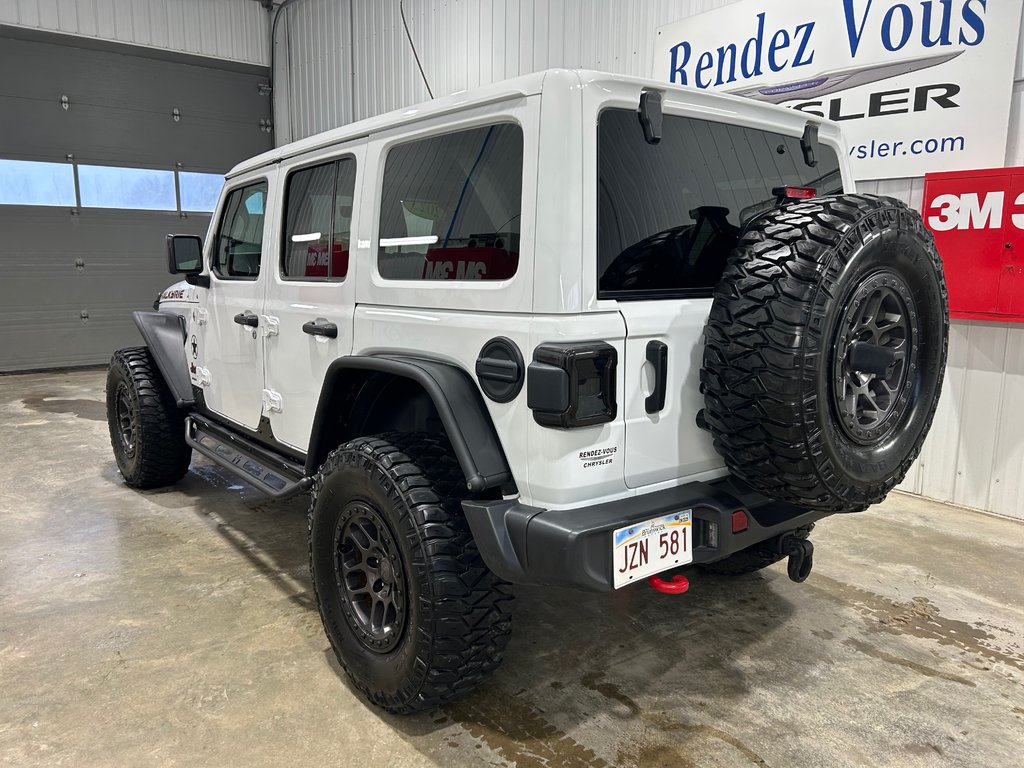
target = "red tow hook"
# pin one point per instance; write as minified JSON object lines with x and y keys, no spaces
{"x":677,"y":586}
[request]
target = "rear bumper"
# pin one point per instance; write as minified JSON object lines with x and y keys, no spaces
{"x":573,"y":547}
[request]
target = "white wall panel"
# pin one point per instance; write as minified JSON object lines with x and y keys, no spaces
{"x":366,"y":67}
{"x":224,"y":29}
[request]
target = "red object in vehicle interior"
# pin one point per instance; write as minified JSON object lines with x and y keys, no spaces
{"x":316,"y":260}
{"x":464,"y":263}
{"x":977,"y":218}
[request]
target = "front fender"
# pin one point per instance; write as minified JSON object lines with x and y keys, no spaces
{"x":164,"y":333}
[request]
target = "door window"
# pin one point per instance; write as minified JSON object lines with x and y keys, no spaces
{"x":670,"y":213}
{"x":450,"y":206}
{"x":238,"y":244}
{"x":318,"y":218}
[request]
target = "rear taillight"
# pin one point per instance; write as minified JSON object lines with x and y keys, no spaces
{"x":572,"y":384}
{"x":794,"y":193}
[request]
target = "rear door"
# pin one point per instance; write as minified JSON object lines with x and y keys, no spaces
{"x":668,"y":216}
{"x":307,"y":318}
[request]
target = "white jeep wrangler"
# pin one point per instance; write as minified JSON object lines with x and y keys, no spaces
{"x":573,"y":328}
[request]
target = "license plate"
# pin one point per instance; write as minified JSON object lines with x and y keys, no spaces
{"x":643,"y":549}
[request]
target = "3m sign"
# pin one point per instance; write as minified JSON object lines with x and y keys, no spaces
{"x":978,"y":221}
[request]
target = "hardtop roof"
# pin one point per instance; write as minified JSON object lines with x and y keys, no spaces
{"x":525,"y":85}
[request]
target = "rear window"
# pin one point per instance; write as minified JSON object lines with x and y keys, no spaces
{"x":450,"y":206}
{"x":670,"y":213}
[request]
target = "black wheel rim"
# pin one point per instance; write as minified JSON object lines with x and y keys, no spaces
{"x":125,"y":420}
{"x":370,"y":577}
{"x":876,"y":358}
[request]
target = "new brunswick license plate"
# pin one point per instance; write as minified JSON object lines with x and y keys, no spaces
{"x":646,"y":548}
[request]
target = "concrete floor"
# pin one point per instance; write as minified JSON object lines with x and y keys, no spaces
{"x":177,"y":628}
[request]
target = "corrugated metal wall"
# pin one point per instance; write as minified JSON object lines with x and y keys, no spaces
{"x":224,"y":29}
{"x":350,"y":60}
{"x":974,"y":455}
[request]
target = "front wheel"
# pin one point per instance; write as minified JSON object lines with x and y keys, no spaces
{"x":147,"y":429}
{"x":414,"y":616}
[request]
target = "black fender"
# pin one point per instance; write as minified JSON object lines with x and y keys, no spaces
{"x":164,"y":333}
{"x":455,"y":396}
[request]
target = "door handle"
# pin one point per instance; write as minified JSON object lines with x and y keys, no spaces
{"x":320,"y":327}
{"x":247,"y":318}
{"x":657,"y":355}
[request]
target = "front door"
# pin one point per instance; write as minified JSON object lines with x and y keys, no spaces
{"x":226,"y":348}
{"x":310,"y":303}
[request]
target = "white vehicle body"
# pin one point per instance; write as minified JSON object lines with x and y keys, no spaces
{"x":573,"y":329}
{"x":275,"y":371}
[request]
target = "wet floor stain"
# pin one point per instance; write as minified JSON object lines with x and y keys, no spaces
{"x":919,"y":617}
{"x":92,"y":410}
{"x":870,"y":650}
{"x":647,"y":755}
{"x":520,"y":733}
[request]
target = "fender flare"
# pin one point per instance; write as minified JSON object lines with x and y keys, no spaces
{"x":164,"y":334}
{"x":458,"y":403}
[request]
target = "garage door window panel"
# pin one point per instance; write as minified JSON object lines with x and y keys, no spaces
{"x":318,"y":212}
{"x":238,"y":245}
{"x":670,"y":213}
{"x":199,"y":191}
{"x":450,"y":206}
{"x":144,"y":189}
{"x":27,"y":182}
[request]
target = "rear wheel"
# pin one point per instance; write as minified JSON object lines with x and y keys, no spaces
{"x":411,"y":611}
{"x":147,"y":429}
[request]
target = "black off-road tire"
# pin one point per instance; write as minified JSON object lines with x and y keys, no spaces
{"x":451,"y":615}
{"x":147,"y":429}
{"x":789,"y":404}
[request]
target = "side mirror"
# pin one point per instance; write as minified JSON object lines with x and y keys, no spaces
{"x":184,"y":254}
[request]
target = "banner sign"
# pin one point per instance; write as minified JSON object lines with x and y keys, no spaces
{"x":918,"y":86}
{"x":977,"y":218}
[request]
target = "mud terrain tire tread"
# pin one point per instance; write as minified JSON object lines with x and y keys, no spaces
{"x":765,"y":335}
{"x":162,"y":455}
{"x":465,"y":608}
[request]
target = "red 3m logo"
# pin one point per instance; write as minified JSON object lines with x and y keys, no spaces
{"x":971,"y":210}
{"x":977,"y":218}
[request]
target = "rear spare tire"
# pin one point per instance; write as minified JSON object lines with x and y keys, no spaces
{"x":825,"y":349}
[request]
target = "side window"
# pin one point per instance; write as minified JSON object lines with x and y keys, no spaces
{"x":450,"y":206}
{"x":670,"y":213}
{"x":238,"y":244}
{"x":318,"y":217}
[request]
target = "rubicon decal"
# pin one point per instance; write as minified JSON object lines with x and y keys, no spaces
{"x":893,"y":72}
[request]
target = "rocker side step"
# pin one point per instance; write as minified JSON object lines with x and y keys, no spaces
{"x":267,"y":471}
